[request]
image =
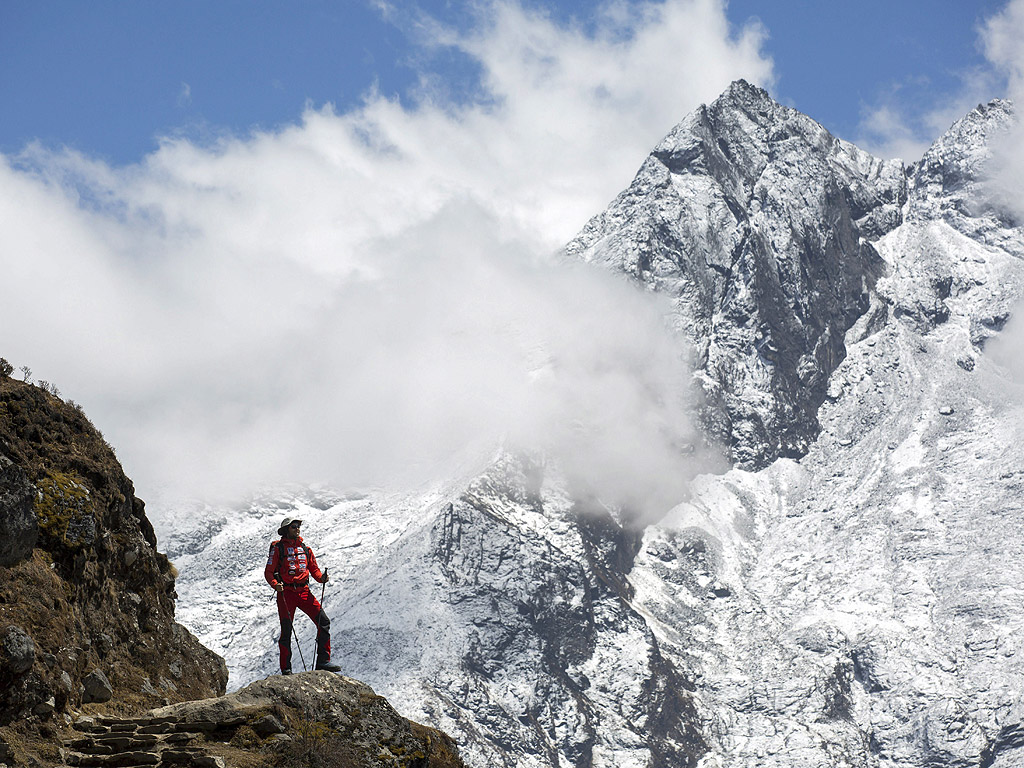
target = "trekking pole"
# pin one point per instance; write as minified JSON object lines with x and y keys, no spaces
{"x":316,"y":653}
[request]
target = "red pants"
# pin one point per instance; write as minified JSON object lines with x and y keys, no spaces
{"x":302,"y":599}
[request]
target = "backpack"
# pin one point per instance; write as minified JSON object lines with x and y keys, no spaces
{"x":281,"y":559}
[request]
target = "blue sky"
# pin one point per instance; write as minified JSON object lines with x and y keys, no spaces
{"x":108,"y":77}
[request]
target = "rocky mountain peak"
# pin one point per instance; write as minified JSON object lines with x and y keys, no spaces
{"x":951,"y":181}
{"x":758,"y":224}
{"x":957,"y":158}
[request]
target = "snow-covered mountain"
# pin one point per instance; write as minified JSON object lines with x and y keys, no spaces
{"x":851,"y":593}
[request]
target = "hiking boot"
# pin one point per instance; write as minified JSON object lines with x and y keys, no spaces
{"x":328,"y":666}
{"x":286,"y":671}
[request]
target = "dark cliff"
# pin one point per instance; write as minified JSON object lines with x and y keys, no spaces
{"x":86,"y":600}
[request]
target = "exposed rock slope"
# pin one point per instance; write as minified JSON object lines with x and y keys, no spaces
{"x":340,"y":721}
{"x":84,"y":588}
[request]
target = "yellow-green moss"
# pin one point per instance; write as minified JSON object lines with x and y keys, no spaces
{"x":64,"y":509}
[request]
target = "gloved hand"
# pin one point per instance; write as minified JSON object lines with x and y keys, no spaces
{"x":326,"y":577}
{"x":279,"y":587}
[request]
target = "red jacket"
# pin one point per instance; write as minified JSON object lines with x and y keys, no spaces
{"x":298,"y":565}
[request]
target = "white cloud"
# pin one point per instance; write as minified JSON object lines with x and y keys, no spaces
{"x":1007,"y":347}
{"x":899,"y":126}
{"x":366,"y":297}
{"x":886,"y":132}
{"x":1003,"y":40}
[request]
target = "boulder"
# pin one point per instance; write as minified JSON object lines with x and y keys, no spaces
{"x":17,"y":651}
{"x":97,"y":687}
{"x":19,"y":528}
{"x":45,"y":708}
{"x":268,"y":726}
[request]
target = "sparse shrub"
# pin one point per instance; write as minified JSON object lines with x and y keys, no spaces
{"x":26,"y":373}
{"x":315,"y":744}
{"x":245,"y":738}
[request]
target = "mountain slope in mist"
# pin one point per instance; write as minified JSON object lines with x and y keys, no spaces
{"x":847,"y":595}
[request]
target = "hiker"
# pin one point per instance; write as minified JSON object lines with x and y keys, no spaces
{"x":289,"y":567}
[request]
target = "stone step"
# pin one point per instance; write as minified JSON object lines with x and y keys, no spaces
{"x":122,"y":727}
{"x":179,"y":758}
{"x":89,"y":725}
{"x":180,"y":737}
{"x":144,"y":742}
{"x":114,"y":746}
{"x":140,"y":721}
{"x":111,"y":743}
{"x":117,"y":760}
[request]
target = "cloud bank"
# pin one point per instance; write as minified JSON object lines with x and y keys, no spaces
{"x":368,"y":297}
{"x":1003,"y":41}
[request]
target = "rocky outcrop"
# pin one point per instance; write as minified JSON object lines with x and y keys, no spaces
{"x":758,"y":224}
{"x":17,"y":519}
{"x":340,"y":720}
{"x":308,"y":720}
{"x":81,"y":582}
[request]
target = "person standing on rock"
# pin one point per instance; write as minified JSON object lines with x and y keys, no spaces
{"x":289,"y":567}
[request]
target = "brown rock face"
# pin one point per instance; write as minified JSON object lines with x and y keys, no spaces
{"x":93,"y":593}
{"x":328,"y":720}
{"x":17,"y":518}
